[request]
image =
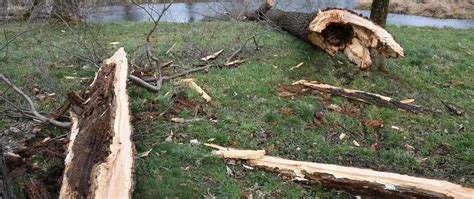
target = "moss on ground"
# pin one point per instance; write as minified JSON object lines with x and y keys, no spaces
{"x":248,"y":109}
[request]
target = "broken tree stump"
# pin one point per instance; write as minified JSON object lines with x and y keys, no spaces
{"x":6,"y":191}
{"x":334,"y":30}
{"x":365,"y":182}
{"x":100,"y":154}
{"x":366,"y":97}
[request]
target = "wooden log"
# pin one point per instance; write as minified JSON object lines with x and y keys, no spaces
{"x":366,"y":97}
{"x":364,"y":182}
{"x":334,"y":30}
{"x":100,"y":154}
{"x":6,"y":191}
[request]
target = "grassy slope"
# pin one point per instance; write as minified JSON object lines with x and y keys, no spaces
{"x":246,"y":105}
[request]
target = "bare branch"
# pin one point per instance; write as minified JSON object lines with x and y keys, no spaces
{"x":33,"y":111}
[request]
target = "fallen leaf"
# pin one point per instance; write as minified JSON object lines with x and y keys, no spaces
{"x":373,"y":123}
{"x":287,"y":111}
{"x":145,"y":154}
{"x":319,"y":119}
{"x":350,"y":110}
{"x":456,"y":82}
{"x":324,"y":96}
{"x":374,"y":146}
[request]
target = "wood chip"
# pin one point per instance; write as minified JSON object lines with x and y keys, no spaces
{"x":297,"y":66}
{"x":342,"y":136}
{"x":213,"y":56}
{"x":198,"y":89}
{"x":233,"y":63}
{"x":355,"y":143}
{"x":407,"y":101}
{"x":145,"y":154}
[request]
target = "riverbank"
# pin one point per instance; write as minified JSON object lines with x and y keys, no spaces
{"x":444,"y":9}
{"x":247,"y":111}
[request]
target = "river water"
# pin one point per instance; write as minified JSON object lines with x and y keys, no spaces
{"x":190,"y":12}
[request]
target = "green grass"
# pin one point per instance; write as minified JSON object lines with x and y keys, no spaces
{"x":246,"y":106}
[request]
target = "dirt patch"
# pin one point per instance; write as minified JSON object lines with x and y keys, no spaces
{"x":459,"y":9}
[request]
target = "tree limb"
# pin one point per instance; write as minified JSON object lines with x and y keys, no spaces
{"x":34,"y":112}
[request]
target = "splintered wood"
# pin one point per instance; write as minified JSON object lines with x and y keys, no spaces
{"x":334,"y":30}
{"x":365,"y":182}
{"x":366,"y":97}
{"x":337,"y":30}
{"x":100,"y":155}
{"x":198,"y":89}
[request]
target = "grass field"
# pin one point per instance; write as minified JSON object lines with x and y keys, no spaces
{"x":246,"y":111}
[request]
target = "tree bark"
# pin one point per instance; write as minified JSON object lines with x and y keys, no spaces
{"x":67,"y":10}
{"x":334,"y":30}
{"x":379,"y":13}
{"x":353,"y":180}
{"x":4,"y":10}
{"x":6,"y":191}
{"x":35,"y":189}
{"x":100,"y":157}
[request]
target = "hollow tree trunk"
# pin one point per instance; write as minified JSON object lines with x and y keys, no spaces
{"x":99,"y":162}
{"x":5,"y":186}
{"x":334,"y":30}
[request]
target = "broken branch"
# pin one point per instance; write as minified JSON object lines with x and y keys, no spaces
{"x":34,"y":113}
{"x":365,"y":97}
{"x":198,"y":89}
{"x":366,"y":182}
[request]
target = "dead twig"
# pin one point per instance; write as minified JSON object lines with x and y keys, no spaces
{"x":33,"y":113}
{"x":235,"y":53}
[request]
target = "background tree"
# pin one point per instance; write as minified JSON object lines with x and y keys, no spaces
{"x":378,"y":13}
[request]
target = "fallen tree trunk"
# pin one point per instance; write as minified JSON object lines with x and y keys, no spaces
{"x":100,"y":154}
{"x":334,"y":30}
{"x":5,"y":186}
{"x":365,"y":97}
{"x":365,"y":182}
